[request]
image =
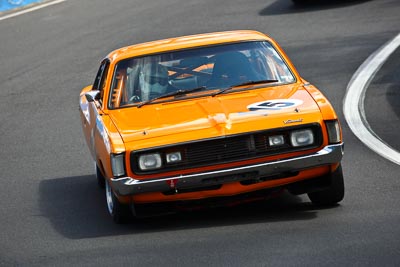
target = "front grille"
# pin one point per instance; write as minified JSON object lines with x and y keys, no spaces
{"x":227,"y":149}
{"x":220,"y":150}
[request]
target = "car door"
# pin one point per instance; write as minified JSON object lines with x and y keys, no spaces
{"x":91,"y":102}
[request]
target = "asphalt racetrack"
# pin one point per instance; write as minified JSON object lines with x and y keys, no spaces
{"x":53,"y":214}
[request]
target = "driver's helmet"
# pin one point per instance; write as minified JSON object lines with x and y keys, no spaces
{"x":153,"y":80}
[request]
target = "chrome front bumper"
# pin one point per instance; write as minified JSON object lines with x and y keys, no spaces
{"x":328,"y":155}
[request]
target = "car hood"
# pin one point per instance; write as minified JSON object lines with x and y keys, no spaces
{"x":207,"y":117}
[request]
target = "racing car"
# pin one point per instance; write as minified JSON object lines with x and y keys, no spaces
{"x":208,"y":119}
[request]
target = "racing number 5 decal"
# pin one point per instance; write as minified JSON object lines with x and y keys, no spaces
{"x":276,"y":104}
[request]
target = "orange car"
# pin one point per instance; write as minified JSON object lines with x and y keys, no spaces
{"x":208,"y":119}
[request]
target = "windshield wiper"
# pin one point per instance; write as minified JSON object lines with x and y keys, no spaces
{"x":243,"y":84}
{"x":174,"y":93}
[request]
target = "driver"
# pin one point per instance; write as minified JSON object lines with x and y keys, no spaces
{"x":153,"y":80}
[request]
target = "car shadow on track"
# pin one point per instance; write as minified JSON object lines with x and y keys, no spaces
{"x":280,"y":7}
{"x":76,"y":208}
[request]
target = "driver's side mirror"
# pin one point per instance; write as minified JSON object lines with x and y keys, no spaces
{"x":93,"y":95}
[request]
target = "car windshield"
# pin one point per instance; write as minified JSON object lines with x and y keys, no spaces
{"x":141,"y":79}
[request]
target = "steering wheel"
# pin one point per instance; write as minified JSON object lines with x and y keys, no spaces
{"x":135,"y":99}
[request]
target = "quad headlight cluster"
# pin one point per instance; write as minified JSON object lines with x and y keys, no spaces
{"x":154,"y":161}
{"x":306,"y":137}
{"x":297,"y":138}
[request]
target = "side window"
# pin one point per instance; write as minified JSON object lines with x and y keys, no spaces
{"x":101,"y":76}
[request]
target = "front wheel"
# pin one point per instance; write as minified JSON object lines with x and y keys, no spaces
{"x":118,"y":211}
{"x":333,"y":194}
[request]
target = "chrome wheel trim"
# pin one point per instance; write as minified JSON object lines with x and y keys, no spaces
{"x":109,"y":198}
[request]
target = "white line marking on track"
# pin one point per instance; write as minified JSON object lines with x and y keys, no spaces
{"x":36,"y":7}
{"x":353,"y":103}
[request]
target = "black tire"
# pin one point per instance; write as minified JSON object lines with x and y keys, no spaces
{"x":333,"y":194}
{"x":101,"y":181}
{"x":120,"y":213}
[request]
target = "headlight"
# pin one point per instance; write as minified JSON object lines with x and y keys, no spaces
{"x":302,"y":137}
{"x":276,"y":140}
{"x":118,"y":164}
{"x":333,"y":131}
{"x":173,"y":157}
{"x":150,"y":161}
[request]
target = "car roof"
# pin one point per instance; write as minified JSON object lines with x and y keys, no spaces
{"x":185,"y":42}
